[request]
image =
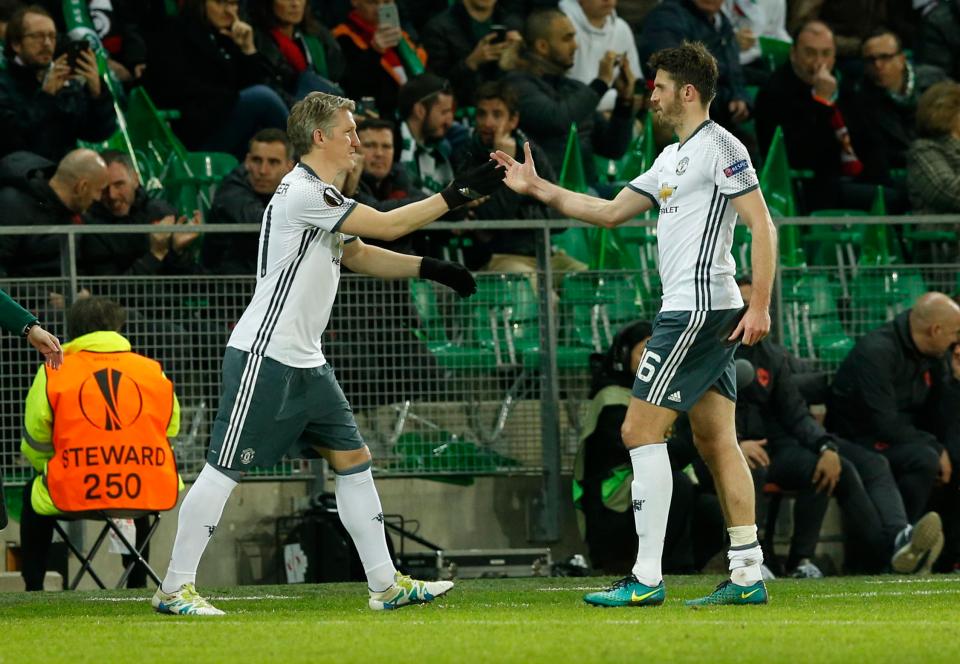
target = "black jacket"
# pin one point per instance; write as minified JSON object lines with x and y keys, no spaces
{"x":882,"y":128}
{"x":505,"y":203}
{"x":672,"y":22}
{"x":201,"y":73}
{"x":550,"y":103}
{"x":772,"y":406}
{"x":234,"y":203}
{"x":886,"y":391}
{"x":786,"y":101}
{"x":449,"y":38}
{"x":28,"y":202}
{"x":129,"y":254}
{"x":50,"y":125}
{"x":283,"y":77}
{"x":938,"y":41}
{"x":393,"y":191}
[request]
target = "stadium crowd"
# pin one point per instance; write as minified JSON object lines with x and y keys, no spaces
{"x":864,"y":94}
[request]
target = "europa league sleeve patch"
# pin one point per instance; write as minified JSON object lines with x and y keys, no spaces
{"x":332,"y":197}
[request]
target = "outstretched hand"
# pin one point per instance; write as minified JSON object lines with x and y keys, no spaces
{"x":521,"y":176}
{"x":47,"y":344}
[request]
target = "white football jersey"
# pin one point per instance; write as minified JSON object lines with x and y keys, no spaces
{"x":298,"y":271}
{"x":692,"y":184}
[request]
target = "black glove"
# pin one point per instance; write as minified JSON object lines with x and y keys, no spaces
{"x":454,"y":275}
{"x":475,"y":183}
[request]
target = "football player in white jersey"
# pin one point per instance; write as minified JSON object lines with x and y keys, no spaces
{"x":700,"y":185}
{"x":279,"y":394}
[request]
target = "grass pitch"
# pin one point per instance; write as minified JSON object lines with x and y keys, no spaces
{"x":883,"y":619}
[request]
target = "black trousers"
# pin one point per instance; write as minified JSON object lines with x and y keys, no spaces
{"x":36,"y":536}
{"x":873,"y":511}
{"x":915,"y":467}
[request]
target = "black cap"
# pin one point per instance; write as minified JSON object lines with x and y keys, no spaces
{"x":418,"y":89}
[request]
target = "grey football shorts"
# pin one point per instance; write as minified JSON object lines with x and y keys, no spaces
{"x":268,"y":409}
{"x":687,"y":355}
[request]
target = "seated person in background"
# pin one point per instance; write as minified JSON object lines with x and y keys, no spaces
{"x":206,"y":64}
{"x":56,"y":426}
{"x":302,"y":54}
{"x":125,"y":202}
{"x":752,"y":20}
{"x":938,"y":40}
{"x":550,"y":102}
{"x":380,"y":58}
{"x":47,"y":104}
{"x":599,"y":30}
{"x":673,"y":22}
{"x":780,"y":437}
{"x":378,"y":181}
{"x":497,"y":121}
{"x":883,"y":103}
{"x":802,"y":97}
{"x":242,"y":198}
{"x":933,"y":162}
{"x":889,"y":392}
{"x":426,"y":112}
{"x":465,"y":51}
{"x":29,"y":198}
{"x":602,"y":472}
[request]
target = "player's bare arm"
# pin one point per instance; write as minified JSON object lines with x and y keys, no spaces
{"x":755,"y":324}
{"x":365,"y":221}
{"x":523,"y":179}
{"x":379,"y":262}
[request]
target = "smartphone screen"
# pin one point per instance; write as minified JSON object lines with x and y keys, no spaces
{"x":388,"y":15}
{"x":74,"y":49}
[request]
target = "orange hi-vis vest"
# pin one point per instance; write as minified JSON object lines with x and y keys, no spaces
{"x":110,"y":417}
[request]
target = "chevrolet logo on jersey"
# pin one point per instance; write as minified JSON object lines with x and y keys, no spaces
{"x":666,"y":191}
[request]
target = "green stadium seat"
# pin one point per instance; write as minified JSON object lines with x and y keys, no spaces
{"x":774,"y":52}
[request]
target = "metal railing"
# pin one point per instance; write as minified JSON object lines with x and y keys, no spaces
{"x":494,"y":384}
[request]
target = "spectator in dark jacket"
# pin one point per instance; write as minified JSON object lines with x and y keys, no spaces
{"x":242,"y":198}
{"x":778,"y":433}
{"x":933,"y":163}
{"x":464,"y":50}
{"x":890,"y":394}
{"x":125,"y":202}
{"x":302,"y":53}
{"x":206,"y":64}
{"x":382,"y":183}
{"x":31,"y":199}
{"x":498,"y":119}
{"x":938,"y":41}
{"x":803,"y":98}
{"x":380,"y":58}
{"x":674,"y":21}
{"x":45,"y":106}
{"x":883,"y":104}
{"x":550,"y":102}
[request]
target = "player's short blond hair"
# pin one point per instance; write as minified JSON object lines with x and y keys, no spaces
{"x":318,"y":110}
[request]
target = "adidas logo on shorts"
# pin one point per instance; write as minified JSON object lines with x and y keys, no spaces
{"x":675,"y":397}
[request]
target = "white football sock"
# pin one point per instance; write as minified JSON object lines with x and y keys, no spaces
{"x":745,"y":555}
{"x":652,"y":490}
{"x":200,"y":513}
{"x":359,"y":507}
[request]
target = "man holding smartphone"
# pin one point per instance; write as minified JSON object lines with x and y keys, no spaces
{"x":47,"y":103}
{"x":471,"y":43}
{"x":380,"y":56}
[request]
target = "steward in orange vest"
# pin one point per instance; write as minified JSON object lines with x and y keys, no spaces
{"x":97,"y":430}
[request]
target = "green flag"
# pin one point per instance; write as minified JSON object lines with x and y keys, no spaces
{"x":876,"y":241}
{"x":777,"y":186}
{"x":572,"y":175}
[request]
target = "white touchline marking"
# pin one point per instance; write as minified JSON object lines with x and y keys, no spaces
{"x":944,"y":579}
{"x":253,"y":598}
{"x":896,"y":593}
